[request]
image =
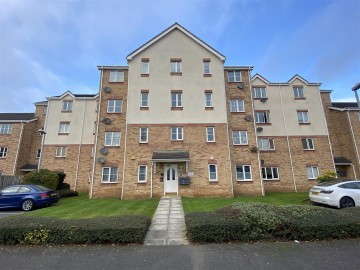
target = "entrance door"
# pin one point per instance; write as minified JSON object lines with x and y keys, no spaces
{"x":171,"y":178}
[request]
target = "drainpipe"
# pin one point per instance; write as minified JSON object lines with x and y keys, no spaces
{"x":353,"y":137}
{"x":354,"y":171}
{"x":18,"y":147}
{"x":151,"y":179}
{"x":125,"y":143}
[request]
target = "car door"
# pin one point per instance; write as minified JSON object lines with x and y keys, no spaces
{"x":356,"y":192}
{"x":8,"y":197}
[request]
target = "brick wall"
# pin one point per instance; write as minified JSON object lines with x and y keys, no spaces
{"x":10,"y":141}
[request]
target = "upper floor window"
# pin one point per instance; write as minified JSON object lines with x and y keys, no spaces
{"x":176,"y":99}
{"x":213,"y":172}
{"x":109,"y":175}
{"x":259,"y":92}
{"x":262,"y":117}
{"x":298,"y":92}
{"x":312,"y":172}
{"x":175,"y":66}
{"x":5,"y":128}
{"x":145,"y":66}
{"x":207,"y":68}
{"x":234,"y":76}
{"x":112,"y":138}
{"x":307,"y":144}
{"x":243,"y":173}
{"x":142,"y":173}
{"x":210,"y":134}
{"x":61,"y":151}
{"x":266,"y":144}
{"x":144,"y":99}
{"x":3,"y":152}
{"x":114,"y":106}
{"x":143,"y":135}
{"x":270,"y":173}
{"x":116,"y":76}
{"x":64,"y":127}
{"x":67,"y":106}
{"x":239,"y":137}
{"x":237,"y":105}
{"x":177,"y":134}
{"x":208,"y":99}
{"x":303,"y":117}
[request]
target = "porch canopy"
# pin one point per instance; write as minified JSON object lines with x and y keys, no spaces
{"x":342,"y":161}
{"x":170,"y":156}
{"x":29,"y":167}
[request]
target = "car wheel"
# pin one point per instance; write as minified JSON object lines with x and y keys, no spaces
{"x":346,"y":202}
{"x":27,"y":205}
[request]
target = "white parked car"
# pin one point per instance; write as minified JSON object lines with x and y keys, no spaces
{"x":340,"y":194}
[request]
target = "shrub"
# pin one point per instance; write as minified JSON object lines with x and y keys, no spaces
{"x":63,"y":193}
{"x":43,"y":177}
{"x":61,"y":184}
{"x":326,"y":177}
{"x":39,"y":230}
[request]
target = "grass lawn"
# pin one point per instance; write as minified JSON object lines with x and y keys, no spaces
{"x":83,"y":207}
{"x":211,"y":204}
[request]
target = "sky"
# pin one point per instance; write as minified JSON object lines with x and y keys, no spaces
{"x":49,"y":47}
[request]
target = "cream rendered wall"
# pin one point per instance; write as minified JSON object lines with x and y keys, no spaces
{"x":192,"y":83}
{"x":77,"y":119}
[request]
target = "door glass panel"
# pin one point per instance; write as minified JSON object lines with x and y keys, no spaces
{"x":173,"y":174}
{"x":168,"y":174}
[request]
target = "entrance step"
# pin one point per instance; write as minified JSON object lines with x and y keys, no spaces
{"x":168,"y":224}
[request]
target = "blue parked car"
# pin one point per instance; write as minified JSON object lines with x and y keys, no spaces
{"x":27,"y":197}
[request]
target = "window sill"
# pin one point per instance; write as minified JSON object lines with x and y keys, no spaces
{"x":214,"y":142}
{"x":5,"y":134}
{"x":234,"y":113}
{"x":213,"y":182}
{"x":112,"y":146}
{"x":66,"y":111}
{"x":63,"y":133}
{"x":114,"y":112}
{"x":145,"y":75}
{"x":235,"y":82}
{"x":207,"y":75}
{"x":241,"y":145}
{"x":142,"y":143}
{"x":271,"y":180}
{"x":309,"y":149}
{"x":258,"y":98}
{"x":60,"y":157}
{"x":141,"y":183}
{"x":312,"y":179}
{"x":116,"y":82}
{"x":209,"y":108}
{"x":109,"y":182}
{"x":177,"y":108}
{"x":2,"y":157}
{"x":263,"y":124}
{"x":300,"y":98}
{"x":243,"y":181}
{"x":308,"y":123}
{"x":177,"y":141}
{"x":270,"y":150}
{"x":176,"y":73}
{"x":144,"y":108}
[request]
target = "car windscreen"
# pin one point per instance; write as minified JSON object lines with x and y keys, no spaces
{"x":40,"y":188}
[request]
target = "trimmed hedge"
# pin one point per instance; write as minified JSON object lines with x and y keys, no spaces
{"x":63,"y":193}
{"x":28,"y":230}
{"x":246,"y":222}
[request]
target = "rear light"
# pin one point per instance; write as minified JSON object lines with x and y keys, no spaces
{"x":327,"y":191}
{"x":44,"y":195}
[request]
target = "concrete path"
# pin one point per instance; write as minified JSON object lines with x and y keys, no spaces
{"x":168,"y":224}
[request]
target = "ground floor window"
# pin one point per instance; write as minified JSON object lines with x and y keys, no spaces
{"x":212,"y":172}
{"x":243,"y":172}
{"x":109,"y":175}
{"x":270,"y":173}
{"x":312,"y":172}
{"x":3,"y":152}
{"x":142,"y":173}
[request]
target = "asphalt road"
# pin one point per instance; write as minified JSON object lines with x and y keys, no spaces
{"x":304,"y":255}
{"x":6,"y":213}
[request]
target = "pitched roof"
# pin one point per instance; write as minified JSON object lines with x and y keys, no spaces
{"x":16,"y":116}
{"x":293,"y":78}
{"x":167,"y":31}
{"x":73,"y":95}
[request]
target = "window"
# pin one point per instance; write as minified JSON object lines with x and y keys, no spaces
{"x":61,"y":151}
{"x":144,"y":99}
{"x":239,"y":137}
{"x":67,"y":106}
{"x":303,"y":117}
{"x":176,"y":99}
{"x":259,"y":92}
{"x":234,"y":76}
{"x":8,"y":190}
{"x":270,"y":173}
{"x":243,"y":173}
{"x":266,"y":144}
{"x":176,"y":133}
{"x":312,"y":172}
{"x":175,"y":66}
{"x":298,"y":92}
{"x":64,"y":127}
{"x":210,"y":134}
{"x":212,"y":172}
{"x":262,"y":117}
{"x":3,"y":152}
{"x":237,"y":105}
{"x":142,"y":173}
{"x":307,"y":144}
{"x":109,"y":175}
{"x":145,"y":67}
{"x":114,"y":106}
{"x":112,"y":138}
{"x":5,"y":128}
{"x":208,"y":99}
{"x":207,"y":69}
{"x":116,"y":76}
{"x":38,"y":153}
{"x":143,"y":135}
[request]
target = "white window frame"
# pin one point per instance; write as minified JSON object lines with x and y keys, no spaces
{"x":210,"y":131}
{"x":5,"y":128}
{"x":259,"y":92}
{"x":3,"y":152}
{"x":176,"y":99}
{"x":111,"y":108}
{"x":232,"y":76}
{"x":241,"y":135}
{"x":145,"y":67}
{"x":303,"y":117}
{"x":267,"y":144}
{"x":114,"y":141}
{"x":298,"y":92}
{"x":144,"y":103}
{"x":64,"y":128}
{"x":308,"y":143}
{"x":142,"y":173}
{"x":207,"y":67}
{"x":211,"y":174}
{"x":38,"y":153}
{"x":243,"y":173}
{"x":140,"y":135}
{"x":237,"y":105}
{"x":272,"y":169}
{"x":208,"y":100}
{"x":262,"y":117}
{"x":111,"y":172}
{"x":310,"y":172}
{"x":116,"y":76}
{"x":67,"y":106}
{"x":178,"y":132}
{"x":61,"y":151}
{"x":175,"y":66}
